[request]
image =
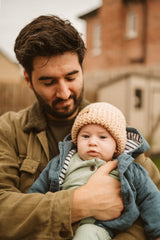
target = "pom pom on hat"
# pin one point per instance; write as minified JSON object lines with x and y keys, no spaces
{"x":106,"y":115}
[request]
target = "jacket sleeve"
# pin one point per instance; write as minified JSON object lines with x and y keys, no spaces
{"x":148,"y":201}
{"x":28,"y":216}
{"x":137,"y":230}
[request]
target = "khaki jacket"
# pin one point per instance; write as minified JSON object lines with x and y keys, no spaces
{"x":23,"y":154}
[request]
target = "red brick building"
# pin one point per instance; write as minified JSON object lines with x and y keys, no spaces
{"x":122,"y":33}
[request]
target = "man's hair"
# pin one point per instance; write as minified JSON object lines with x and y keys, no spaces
{"x":47,"y":36}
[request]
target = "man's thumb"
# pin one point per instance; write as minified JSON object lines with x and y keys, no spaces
{"x":109,"y":166}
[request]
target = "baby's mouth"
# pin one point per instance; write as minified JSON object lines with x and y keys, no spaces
{"x":92,"y":153}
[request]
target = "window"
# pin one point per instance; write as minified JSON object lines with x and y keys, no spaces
{"x":131,"y":25}
{"x":138,"y":98}
{"x":96,"y":39}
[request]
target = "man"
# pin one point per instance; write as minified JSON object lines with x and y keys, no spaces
{"x":51,"y":52}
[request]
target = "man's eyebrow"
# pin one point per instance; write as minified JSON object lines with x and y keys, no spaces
{"x":73,"y":72}
{"x":45,"y":78}
{"x":49,"y":77}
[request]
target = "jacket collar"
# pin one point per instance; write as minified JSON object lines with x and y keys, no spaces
{"x":136,"y":145}
{"x":36,"y":119}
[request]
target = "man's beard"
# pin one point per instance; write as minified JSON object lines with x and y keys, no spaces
{"x":52,"y":110}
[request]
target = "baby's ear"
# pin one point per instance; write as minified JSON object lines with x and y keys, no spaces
{"x":116,"y":151}
{"x":115,"y":154}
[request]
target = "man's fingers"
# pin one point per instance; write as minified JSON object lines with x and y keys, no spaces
{"x":109,"y":166}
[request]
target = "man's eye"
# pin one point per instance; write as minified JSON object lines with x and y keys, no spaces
{"x":70,"y":79}
{"x":49,"y":83}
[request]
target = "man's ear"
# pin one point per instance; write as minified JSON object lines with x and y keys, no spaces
{"x":28,"y":80}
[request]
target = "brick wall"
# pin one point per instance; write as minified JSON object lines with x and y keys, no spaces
{"x":116,"y":49}
{"x":153,"y":32}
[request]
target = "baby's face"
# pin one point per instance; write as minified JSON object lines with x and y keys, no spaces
{"x":94,"y":141}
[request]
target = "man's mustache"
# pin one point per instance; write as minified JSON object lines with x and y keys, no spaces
{"x":58,"y":100}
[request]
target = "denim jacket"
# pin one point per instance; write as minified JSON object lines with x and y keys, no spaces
{"x":140,"y":195}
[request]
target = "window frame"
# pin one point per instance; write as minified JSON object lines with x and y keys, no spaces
{"x":131,"y":25}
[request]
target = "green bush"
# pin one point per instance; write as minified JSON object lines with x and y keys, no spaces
{"x":156,"y":160}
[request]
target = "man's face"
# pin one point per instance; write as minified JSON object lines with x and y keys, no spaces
{"x":58,"y":84}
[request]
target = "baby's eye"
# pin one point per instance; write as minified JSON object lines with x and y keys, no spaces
{"x":103,"y":137}
{"x":85,"y":136}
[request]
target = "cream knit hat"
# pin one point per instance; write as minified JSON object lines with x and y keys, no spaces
{"x":106,"y":115}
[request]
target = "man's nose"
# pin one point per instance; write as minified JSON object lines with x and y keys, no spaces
{"x":63,"y":90}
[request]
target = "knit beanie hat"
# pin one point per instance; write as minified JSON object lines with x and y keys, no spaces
{"x":106,"y":115}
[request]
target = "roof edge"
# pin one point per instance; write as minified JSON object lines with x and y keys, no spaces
{"x":89,"y":14}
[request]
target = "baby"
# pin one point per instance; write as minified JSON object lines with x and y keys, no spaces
{"x":98,"y":135}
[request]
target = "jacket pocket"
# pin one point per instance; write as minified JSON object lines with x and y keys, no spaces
{"x":28,"y":173}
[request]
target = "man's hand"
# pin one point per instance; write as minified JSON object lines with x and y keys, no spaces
{"x":100,"y":197}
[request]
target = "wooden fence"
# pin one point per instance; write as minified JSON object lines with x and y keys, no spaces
{"x":15,"y":96}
